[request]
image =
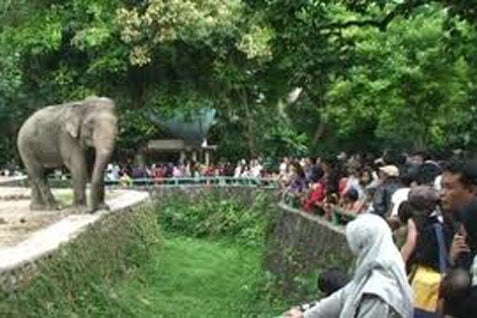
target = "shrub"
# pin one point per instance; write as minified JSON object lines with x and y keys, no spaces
{"x":212,"y":215}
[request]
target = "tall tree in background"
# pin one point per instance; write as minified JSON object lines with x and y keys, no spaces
{"x":369,"y":74}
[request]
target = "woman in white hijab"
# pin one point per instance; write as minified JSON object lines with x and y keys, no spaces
{"x":379,"y":288}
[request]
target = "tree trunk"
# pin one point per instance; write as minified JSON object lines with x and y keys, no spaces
{"x":249,"y":124}
{"x":319,"y":133}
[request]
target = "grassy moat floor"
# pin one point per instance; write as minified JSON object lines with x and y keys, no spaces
{"x":198,"y":278}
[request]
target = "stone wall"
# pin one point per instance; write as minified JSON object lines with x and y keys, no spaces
{"x":21,"y":263}
{"x":297,"y":244}
{"x":300,"y":243}
{"x":245,"y":194}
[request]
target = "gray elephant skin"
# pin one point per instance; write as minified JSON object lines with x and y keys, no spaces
{"x":69,"y":135}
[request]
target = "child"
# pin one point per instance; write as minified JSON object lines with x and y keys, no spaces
{"x":329,"y":281}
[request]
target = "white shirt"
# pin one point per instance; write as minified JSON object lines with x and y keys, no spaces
{"x":283,"y":168}
{"x":437,"y":183}
{"x":257,"y":171}
{"x":397,"y":198}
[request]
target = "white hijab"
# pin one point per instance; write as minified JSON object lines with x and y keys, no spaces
{"x":379,"y":269}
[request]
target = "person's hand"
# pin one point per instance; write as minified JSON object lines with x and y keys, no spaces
{"x":458,"y":247}
{"x":293,"y":313}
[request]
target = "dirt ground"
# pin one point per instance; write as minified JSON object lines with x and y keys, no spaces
{"x":17,"y":222}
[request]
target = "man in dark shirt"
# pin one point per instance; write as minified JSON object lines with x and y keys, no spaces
{"x":384,"y":192}
{"x":459,"y":185}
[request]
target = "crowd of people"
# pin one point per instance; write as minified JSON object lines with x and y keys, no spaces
{"x":411,"y":223}
{"x":126,"y":173}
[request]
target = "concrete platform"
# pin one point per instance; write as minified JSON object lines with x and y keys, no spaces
{"x":27,"y":235}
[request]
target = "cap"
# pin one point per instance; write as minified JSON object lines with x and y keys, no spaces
{"x":390,"y":170}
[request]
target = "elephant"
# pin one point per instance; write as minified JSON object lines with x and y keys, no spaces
{"x":79,"y":135}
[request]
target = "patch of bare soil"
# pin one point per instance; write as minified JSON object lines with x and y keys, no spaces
{"x":17,"y":222}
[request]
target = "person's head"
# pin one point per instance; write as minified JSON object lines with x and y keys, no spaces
{"x":310,"y":160}
{"x":351,"y":196}
{"x":428,"y":172}
{"x":365,"y":177}
{"x":316,"y":173}
{"x":329,"y":164}
{"x":424,"y":199}
{"x":332,"y":280}
{"x":389,"y":171}
{"x":369,"y":235}
{"x":370,"y":239}
{"x":407,"y":178}
{"x":389,"y":157}
{"x":405,"y":212}
{"x":458,"y":183}
{"x":297,"y":170}
{"x":418,"y":157}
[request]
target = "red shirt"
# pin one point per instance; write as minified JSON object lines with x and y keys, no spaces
{"x":317,"y":194}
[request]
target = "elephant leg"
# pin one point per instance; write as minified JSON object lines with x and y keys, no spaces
{"x":45,"y":192}
{"x":36,"y":199}
{"x":97,"y":196}
{"x":79,"y":175}
{"x":41,"y":196}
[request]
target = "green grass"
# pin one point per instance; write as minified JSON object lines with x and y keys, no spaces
{"x":184,"y":259}
{"x":199,"y":278}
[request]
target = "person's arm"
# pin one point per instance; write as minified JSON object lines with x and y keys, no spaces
{"x":372,"y":306}
{"x":409,"y":246}
{"x":459,"y":246}
{"x":329,"y":307}
{"x":379,"y":201}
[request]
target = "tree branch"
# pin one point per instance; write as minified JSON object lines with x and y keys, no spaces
{"x":381,"y":23}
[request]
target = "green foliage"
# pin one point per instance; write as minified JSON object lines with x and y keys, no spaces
{"x":374,"y":73}
{"x":217,"y":217}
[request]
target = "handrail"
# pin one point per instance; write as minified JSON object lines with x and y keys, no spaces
{"x":185,"y":181}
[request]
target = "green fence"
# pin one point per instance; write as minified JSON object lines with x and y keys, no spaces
{"x":180,"y":182}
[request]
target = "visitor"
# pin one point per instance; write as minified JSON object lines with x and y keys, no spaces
{"x":125,"y":180}
{"x":459,"y":287}
{"x":332,"y":280}
{"x":421,"y":247}
{"x":354,"y":181}
{"x":459,"y":182}
{"x":428,"y":172}
{"x":379,"y":287}
{"x":283,"y":169}
{"x":389,"y":176}
{"x":297,"y":177}
{"x":238,"y":170}
{"x":110,"y":177}
{"x":177,"y":172}
{"x":401,"y":195}
{"x":314,"y":200}
{"x":256,"y":170}
{"x":351,"y":204}
{"x":332,"y":178}
{"x":329,"y":281}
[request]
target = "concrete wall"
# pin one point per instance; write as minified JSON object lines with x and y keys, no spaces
{"x":19,"y":264}
{"x":299,"y":244}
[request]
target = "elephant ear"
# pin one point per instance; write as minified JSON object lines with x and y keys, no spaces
{"x":74,"y":119}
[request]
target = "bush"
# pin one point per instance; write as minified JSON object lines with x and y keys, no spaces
{"x":212,"y":215}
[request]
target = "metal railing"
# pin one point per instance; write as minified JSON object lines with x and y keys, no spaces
{"x":181,"y":182}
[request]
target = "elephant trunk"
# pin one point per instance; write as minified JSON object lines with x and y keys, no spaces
{"x":103,"y":155}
